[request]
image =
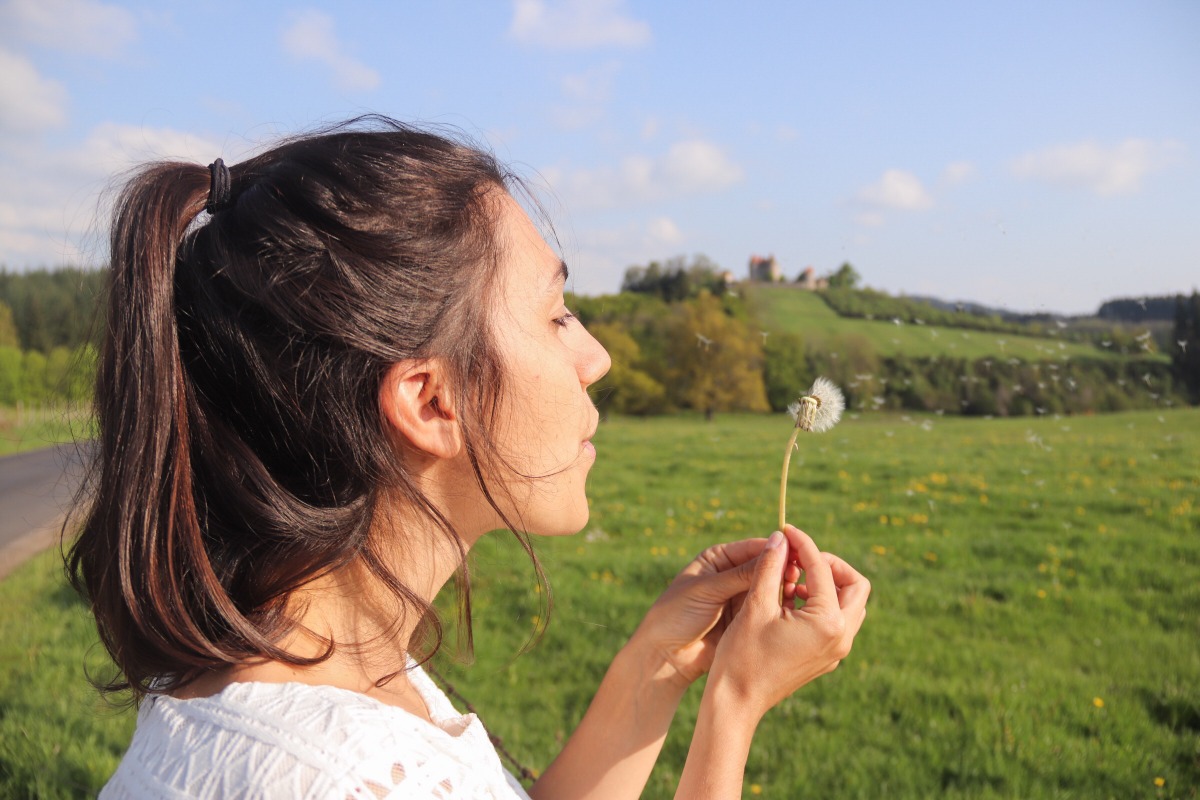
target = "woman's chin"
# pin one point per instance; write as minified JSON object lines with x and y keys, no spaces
{"x":566,"y":525}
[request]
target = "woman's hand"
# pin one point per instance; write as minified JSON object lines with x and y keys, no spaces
{"x":767,"y":650}
{"x":685,"y":624}
{"x":611,"y":753}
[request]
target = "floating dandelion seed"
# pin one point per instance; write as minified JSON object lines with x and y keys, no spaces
{"x":816,"y":412}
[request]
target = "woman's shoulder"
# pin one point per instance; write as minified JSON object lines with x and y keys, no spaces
{"x":297,"y":740}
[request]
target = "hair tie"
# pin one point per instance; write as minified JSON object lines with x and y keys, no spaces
{"x":219,"y":188}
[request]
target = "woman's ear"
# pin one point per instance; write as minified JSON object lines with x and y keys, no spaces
{"x":416,"y":402}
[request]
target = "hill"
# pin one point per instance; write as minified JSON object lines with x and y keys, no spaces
{"x":790,"y":310}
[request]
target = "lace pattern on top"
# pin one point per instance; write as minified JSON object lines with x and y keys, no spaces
{"x":291,"y":740}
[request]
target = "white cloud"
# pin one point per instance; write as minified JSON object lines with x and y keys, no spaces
{"x":688,"y":167}
{"x":663,"y":230}
{"x":29,"y":103}
{"x":786,"y":133}
{"x":697,"y":165}
{"x":576,"y":24}
{"x":958,"y":172}
{"x":897,"y":190}
{"x":111,"y":148}
{"x":79,"y":27}
{"x":311,"y":37}
{"x":591,"y":86}
{"x":52,"y":206}
{"x":650,"y":128}
{"x":587,"y":94}
{"x":871,"y":219}
{"x":601,"y":255}
{"x":1103,"y":170}
{"x":574,"y":118}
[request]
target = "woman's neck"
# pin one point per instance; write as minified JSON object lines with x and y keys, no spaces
{"x":371,"y":629}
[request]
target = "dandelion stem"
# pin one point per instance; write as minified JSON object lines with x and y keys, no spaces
{"x":787,"y":460}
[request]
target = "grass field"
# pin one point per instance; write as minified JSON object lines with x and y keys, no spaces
{"x":1034,"y":628}
{"x":44,"y":427}
{"x":806,"y":314}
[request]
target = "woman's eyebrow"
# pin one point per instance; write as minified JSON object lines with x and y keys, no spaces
{"x":561,"y":274}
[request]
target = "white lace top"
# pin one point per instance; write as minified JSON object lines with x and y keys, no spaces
{"x":292,"y":740}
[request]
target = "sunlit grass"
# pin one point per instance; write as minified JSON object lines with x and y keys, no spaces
{"x":33,"y":427}
{"x":805,"y":313}
{"x":1021,"y":569}
{"x":1034,"y":629}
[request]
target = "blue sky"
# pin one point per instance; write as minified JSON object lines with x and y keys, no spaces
{"x":1041,"y":156}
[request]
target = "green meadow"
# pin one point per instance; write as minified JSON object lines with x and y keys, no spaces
{"x":801,"y":312}
{"x":1034,"y":627}
{"x":25,"y":429}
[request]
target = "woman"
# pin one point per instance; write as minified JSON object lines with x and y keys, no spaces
{"x":327,"y":372}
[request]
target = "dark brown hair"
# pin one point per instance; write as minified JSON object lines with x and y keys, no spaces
{"x":241,"y":448}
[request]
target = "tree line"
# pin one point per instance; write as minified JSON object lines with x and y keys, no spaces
{"x":46,"y":320}
{"x":681,"y":339}
{"x":1185,"y":350}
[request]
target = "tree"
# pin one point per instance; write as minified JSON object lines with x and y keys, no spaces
{"x":11,"y":376}
{"x":675,"y":280}
{"x":1185,"y":350}
{"x":715,"y":361}
{"x":33,"y":377}
{"x":626,"y":389}
{"x":785,"y":369}
{"x":8,"y":329}
{"x":52,"y":308}
{"x":845,"y":277}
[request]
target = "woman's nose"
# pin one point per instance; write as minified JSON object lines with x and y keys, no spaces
{"x":594,"y":362}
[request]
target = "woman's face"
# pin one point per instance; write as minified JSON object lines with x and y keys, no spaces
{"x":547,"y":419}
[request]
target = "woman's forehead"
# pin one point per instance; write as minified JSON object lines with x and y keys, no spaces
{"x":530,"y":262}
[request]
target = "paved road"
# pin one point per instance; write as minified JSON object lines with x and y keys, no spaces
{"x":36,"y":489}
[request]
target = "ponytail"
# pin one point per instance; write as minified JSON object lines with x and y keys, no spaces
{"x":141,"y":558}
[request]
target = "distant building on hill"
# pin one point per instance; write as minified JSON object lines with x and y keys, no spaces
{"x":808,"y":280}
{"x":765,"y":269}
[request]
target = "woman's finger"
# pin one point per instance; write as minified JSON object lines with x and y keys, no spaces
{"x":725,"y":556}
{"x":818,"y":575}
{"x":853,"y":588}
{"x":768,"y":573}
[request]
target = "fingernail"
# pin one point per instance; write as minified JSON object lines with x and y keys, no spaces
{"x":775,"y":540}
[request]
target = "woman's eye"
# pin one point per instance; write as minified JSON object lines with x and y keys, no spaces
{"x":564,"y":319}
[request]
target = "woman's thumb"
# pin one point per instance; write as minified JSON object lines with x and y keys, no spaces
{"x":768,"y":572}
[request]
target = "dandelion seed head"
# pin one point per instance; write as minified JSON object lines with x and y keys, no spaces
{"x":820,"y":408}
